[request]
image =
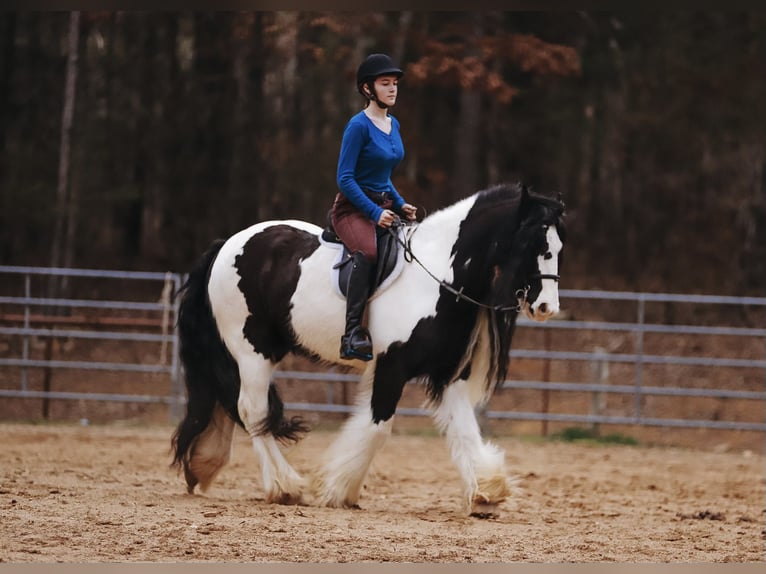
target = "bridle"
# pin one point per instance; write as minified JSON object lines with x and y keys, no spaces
{"x":521,"y":294}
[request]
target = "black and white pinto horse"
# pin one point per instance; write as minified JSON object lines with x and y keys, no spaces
{"x":446,"y":321}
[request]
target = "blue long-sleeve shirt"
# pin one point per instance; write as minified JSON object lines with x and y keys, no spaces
{"x":367,"y":157}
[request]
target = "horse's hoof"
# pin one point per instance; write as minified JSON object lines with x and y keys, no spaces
{"x":286,"y":499}
{"x":484,"y":510}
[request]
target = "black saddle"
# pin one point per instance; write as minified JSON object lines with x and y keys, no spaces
{"x":388,"y":252}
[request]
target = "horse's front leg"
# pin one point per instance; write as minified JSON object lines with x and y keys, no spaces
{"x":362,"y":436}
{"x":481,"y":464}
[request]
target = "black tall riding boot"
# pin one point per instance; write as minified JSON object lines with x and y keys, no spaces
{"x":356,"y":343}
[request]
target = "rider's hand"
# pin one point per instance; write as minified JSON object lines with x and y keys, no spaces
{"x":386,"y":218}
{"x":409,"y":211}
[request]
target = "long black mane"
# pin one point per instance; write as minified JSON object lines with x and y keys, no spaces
{"x":505,"y":224}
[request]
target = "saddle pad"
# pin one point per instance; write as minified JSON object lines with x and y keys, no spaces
{"x":392,"y":267}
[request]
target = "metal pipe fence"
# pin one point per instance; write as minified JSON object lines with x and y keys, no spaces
{"x":162,"y":318}
{"x":627,"y":321}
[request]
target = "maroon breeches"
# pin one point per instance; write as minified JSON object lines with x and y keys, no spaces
{"x":355,"y":229}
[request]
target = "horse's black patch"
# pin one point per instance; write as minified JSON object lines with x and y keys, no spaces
{"x":269,"y":270}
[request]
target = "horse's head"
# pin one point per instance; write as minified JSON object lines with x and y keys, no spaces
{"x":539,"y":298}
{"x":532,"y":270}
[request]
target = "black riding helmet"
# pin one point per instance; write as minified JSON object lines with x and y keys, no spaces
{"x":373,"y":66}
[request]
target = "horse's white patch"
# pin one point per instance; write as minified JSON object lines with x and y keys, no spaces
{"x":318,"y":314}
{"x":226,"y":300}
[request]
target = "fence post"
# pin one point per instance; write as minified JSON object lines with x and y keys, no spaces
{"x":165,"y":299}
{"x":599,"y":376}
{"x":27,"y":325}
{"x":176,"y":386}
{"x":546,"y":379}
{"x":640,"y":356}
{"x":51,"y":345}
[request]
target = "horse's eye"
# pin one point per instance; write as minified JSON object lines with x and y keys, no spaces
{"x":548,"y":255}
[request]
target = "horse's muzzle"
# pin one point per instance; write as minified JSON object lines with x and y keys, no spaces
{"x":541,"y":312}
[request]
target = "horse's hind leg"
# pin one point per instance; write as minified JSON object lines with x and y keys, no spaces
{"x":481,"y":464}
{"x":211,"y":451}
{"x":280,"y":481}
{"x":350,"y":456}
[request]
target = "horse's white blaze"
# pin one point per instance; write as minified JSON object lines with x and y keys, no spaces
{"x":547,"y":302}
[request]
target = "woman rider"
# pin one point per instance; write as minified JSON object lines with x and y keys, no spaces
{"x":371,"y":148}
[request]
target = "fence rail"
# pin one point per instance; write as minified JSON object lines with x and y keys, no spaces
{"x":17,"y":308}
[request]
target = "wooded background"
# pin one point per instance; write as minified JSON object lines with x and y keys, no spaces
{"x":132,"y":140}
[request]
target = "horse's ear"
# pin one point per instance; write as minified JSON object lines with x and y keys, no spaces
{"x":560,"y":198}
{"x":524,"y":199}
{"x":524,"y":192}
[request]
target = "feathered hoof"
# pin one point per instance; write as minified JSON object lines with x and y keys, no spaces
{"x":288,"y":492}
{"x":485,"y":510}
{"x":286,"y":498}
{"x":486,"y":502}
{"x":191,"y":480}
{"x":325,"y":496}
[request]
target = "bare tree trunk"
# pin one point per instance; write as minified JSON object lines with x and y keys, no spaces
{"x":7,"y":49}
{"x":279,"y":90}
{"x":64,"y":212}
{"x":242,"y":32}
{"x":612,"y":156}
{"x":286,"y":83}
{"x":150,"y":152}
{"x":495,"y":116}
{"x":400,"y":42}
{"x":467,"y":140}
{"x":362,"y":46}
{"x":7,"y":57}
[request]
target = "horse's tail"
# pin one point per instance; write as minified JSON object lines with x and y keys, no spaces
{"x":205,"y":359}
{"x":211,"y":373}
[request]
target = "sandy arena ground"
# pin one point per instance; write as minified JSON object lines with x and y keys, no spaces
{"x":106,"y":494}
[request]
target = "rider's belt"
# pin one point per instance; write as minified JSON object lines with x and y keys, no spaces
{"x":378,"y":198}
